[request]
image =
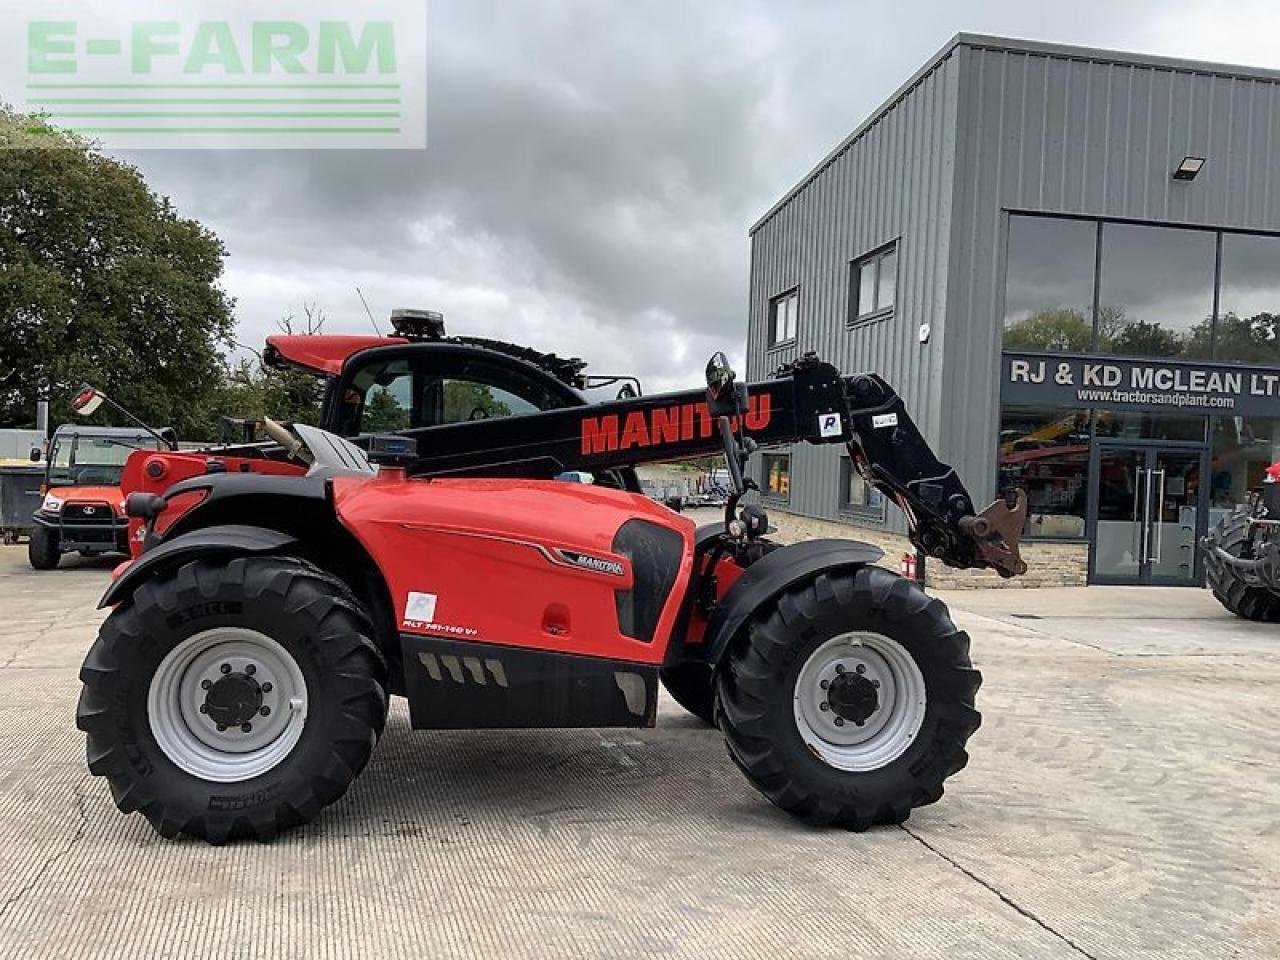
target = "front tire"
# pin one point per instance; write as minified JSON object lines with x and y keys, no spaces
{"x":233,"y":700}
{"x":44,"y":550}
{"x":849,"y":698}
{"x":1251,"y":601}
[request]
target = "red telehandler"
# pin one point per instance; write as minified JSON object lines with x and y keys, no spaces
{"x":242,"y":679}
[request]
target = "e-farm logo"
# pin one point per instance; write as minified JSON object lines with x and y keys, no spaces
{"x":275,"y":73}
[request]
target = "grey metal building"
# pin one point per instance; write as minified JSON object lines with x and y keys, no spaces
{"x":1067,"y":260}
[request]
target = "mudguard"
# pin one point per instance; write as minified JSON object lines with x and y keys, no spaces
{"x":207,"y":541}
{"x":772,"y":574}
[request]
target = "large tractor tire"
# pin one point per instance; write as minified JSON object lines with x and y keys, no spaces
{"x":692,"y":685}
{"x":1240,"y":597}
{"x":44,"y":550}
{"x":233,"y":700}
{"x":849,"y":698}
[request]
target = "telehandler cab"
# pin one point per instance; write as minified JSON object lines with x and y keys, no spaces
{"x":242,"y":679}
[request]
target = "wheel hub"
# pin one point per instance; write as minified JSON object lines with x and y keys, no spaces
{"x":853,"y":697}
{"x":233,"y":699}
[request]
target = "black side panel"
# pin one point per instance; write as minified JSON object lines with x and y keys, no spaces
{"x":655,"y":554}
{"x":456,"y":685}
{"x":224,"y":540}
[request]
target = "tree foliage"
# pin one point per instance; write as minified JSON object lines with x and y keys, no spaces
{"x":101,"y":280}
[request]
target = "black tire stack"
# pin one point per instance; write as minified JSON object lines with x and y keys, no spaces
{"x":1244,"y":599}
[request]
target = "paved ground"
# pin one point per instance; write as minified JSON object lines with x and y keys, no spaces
{"x":1123,"y":801}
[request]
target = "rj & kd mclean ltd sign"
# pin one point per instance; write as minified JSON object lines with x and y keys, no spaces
{"x":1116,"y":383}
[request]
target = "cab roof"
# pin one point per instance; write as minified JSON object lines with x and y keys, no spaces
{"x":324,"y":353}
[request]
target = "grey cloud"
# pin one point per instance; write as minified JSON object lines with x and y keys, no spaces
{"x":592,"y":167}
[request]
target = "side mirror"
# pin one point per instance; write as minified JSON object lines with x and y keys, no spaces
{"x":87,"y":400}
{"x":628,"y":392}
{"x":720,"y":376}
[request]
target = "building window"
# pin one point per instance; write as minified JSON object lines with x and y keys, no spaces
{"x":1243,"y":448}
{"x":873,"y":284}
{"x":784,"y":312}
{"x":1155,"y":295}
{"x":1249,"y":304}
{"x":856,"y":495}
{"x":1048,"y":302}
{"x":1046,"y":453}
{"x":777,"y":475}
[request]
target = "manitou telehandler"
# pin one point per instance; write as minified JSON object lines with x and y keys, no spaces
{"x":242,"y":678}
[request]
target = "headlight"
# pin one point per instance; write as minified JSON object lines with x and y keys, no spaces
{"x":51,"y":504}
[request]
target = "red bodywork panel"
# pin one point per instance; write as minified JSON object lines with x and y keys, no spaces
{"x":173,"y":466}
{"x":479,"y":560}
{"x":325,"y":353}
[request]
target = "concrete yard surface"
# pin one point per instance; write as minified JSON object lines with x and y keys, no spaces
{"x":1123,"y":800}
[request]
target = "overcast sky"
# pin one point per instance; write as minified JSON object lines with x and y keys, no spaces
{"x":593,"y":166}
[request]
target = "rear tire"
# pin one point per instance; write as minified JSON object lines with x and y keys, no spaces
{"x":44,"y":549}
{"x":692,"y":685}
{"x":1233,"y":592}
{"x":153,"y":693}
{"x":914,"y":696}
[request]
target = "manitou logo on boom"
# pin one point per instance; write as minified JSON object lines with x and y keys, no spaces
{"x":662,"y":425}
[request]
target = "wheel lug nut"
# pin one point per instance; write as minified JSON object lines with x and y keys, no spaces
{"x":839,"y":721}
{"x":859,"y":722}
{"x":824,"y":684}
{"x":225,"y":668}
{"x":205,"y":684}
{"x":839,"y":668}
{"x":265,"y":711}
{"x":222,"y":728}
{"x":204,"y":708}
{"x":246,"y":728}
{"x":824,"y":706}
{"x":250,"y":669}
{"x":266,"y":687}
{"x":861,"y":668}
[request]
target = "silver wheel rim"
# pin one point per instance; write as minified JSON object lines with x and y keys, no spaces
{"x":190,"y":737}
{"x":888,"y":728}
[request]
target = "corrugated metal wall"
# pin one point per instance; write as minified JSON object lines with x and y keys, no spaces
{"x":1084,"y":135}
{"x":892,"y":183}
{"x":990,"y":127}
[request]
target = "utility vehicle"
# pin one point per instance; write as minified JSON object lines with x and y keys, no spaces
{"x":241,"y":680}
{"x":83,"y":506}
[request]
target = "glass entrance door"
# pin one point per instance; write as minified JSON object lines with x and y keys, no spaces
{"x":1146,"y":514}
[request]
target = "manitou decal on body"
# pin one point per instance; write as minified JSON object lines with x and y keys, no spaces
{"x":595,"y":564}
{"x":663,"y":425}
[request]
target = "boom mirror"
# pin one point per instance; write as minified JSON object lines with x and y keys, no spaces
{"x":720,"y":376}
{"x":87,"y":400}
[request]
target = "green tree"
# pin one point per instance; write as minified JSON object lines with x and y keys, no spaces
{"x":383,"y":413}
{"x":1064,"y":329}
{"x":467,"y":400}
{"x":1143,"y":339}
{"x":101,"y":280}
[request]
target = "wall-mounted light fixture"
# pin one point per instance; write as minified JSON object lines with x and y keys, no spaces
{"x":1188,"y":168}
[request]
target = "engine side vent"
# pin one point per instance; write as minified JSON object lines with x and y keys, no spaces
{"x":654,"y":552}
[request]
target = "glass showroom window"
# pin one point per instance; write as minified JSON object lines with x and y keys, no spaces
{"x":856,"y":495}
{"x":1156,"y":291}
{"x":777,"y":475}
{"x":1048,"y":299}
{"x":784,"y":312}
{"x":1249,"y":305}
{"x":873,"y":282}
{"x":1243,"y":448}
{"x":1046,"y":453}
